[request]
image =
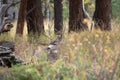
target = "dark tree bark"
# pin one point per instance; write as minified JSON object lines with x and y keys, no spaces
{"x":76,"y":16}
{"x":58,"y":22}
{"x":21,"y":17}
{"x":102,"y":14}
{"x":4,"y":1}
{"x":34,"y":17}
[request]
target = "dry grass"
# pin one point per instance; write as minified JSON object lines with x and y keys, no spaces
{"x":83,"y":56}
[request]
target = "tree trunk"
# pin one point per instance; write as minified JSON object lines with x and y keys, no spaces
{"x":58,"y":22}
{"x":34,"y":17}
{"x":76,"y":16}
{"x":4,"y":1}
{"x":102,"y":14}
{"x":46,"y":10}
{"x":21,"y":18}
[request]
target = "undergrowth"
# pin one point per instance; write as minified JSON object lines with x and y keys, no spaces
{"x":83,"y":56}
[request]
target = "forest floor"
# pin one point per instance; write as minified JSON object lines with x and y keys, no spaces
{"x":89,"y":55}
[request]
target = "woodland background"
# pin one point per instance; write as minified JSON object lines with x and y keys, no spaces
{"x":85,"y":54}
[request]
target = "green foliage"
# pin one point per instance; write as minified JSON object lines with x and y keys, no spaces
{"x":22,"y":73}
{"x":115,"y":8}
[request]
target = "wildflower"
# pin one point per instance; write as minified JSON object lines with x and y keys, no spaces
{"x":96,"y":35}
{"x":105,"y":50}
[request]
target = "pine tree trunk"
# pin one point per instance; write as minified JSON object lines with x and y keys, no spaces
{"x":58,"y":22}
{"x":102,"y":14}
{"x":76,"y":16}
{"x":46,"y":10}
{"x":35,"y":17}
{"x":21,"y":18}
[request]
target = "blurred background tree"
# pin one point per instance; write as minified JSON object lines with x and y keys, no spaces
{"x":116,"y":9}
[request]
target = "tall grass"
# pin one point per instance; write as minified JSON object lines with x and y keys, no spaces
{"x":83,"y":56}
